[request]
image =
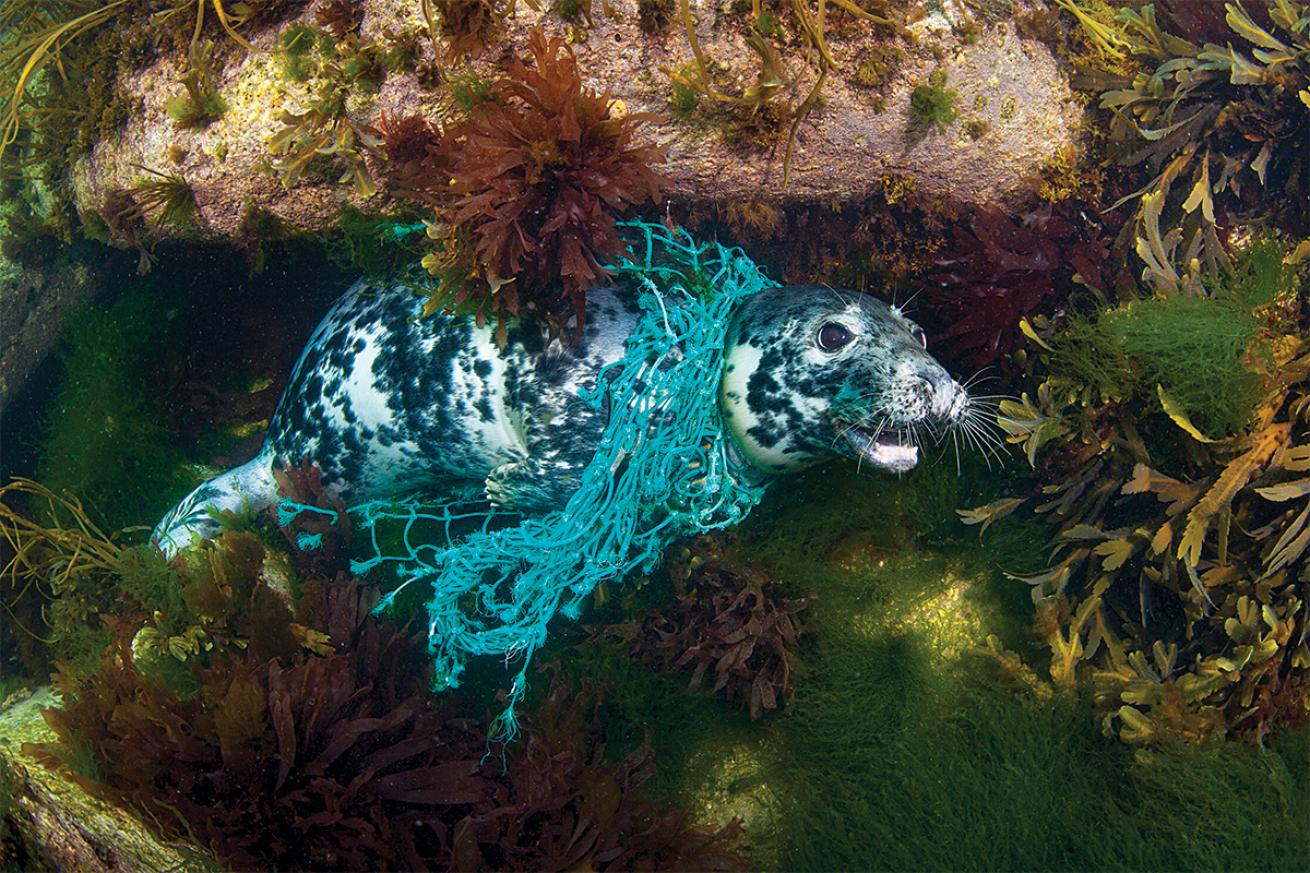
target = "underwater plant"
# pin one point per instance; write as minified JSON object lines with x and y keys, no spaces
{"x":324,"y":130}
{"x":201,"y":104}
{"x":41,"y":36}
{"x":532,"y":183}
{"x":564,"y":805}
{"x":337,"y":757}
{"x":655,"y":15}
{"x":469,"y":26}
{"x":728,"y":623}
{"x":758,"y":113}
{"x":344,"y":761}
{"x":1228,"y":119}
{"x":934,"y":103}
{"x":999,"y":271}
{"x":1170,"y":433}
{"x":339,"y":17}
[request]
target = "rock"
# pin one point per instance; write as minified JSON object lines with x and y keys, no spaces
{"x":1016,"y":110}
{"x":56,"y":825}
{"x":34,"y":305}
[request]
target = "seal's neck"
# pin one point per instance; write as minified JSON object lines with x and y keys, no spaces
{"x":770,"y":450}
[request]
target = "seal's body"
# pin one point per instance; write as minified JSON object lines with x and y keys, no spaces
{"x":385,"y":401}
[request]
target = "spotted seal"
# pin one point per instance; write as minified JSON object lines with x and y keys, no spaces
{"x":386,"y":402}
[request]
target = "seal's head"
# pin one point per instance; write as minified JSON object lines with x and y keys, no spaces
{"x":810,"y":372}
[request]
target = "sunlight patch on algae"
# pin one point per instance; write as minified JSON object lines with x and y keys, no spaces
{"x":950,"y":622}
{"x":735,"y":782}
{"x":941,"y":611}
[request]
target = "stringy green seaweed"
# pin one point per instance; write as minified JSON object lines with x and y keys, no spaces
{"x":665,"y":468}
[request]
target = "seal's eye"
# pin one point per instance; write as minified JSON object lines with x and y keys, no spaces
{"x":833,"y":336}
{"x":918,"y":334}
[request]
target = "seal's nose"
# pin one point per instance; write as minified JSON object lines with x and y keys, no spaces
{"x":915,"y":396}
{"x":949,"y":400}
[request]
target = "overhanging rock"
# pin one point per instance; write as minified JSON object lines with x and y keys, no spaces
{"x":1015,"y":108}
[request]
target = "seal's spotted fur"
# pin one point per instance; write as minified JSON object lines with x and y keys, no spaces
{"x":384,"y":401}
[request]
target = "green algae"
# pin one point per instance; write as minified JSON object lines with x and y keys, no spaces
{"x":906,"y":751}
{"x":107,"y":442}
{"x":1161,"y":340}
{"x":934,"y":103}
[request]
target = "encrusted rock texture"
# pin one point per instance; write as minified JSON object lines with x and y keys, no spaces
{"x":854,"y":142}
{"x":34,"y":305}
{"x":59,"y":826}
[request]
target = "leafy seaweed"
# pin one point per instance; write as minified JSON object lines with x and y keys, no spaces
{"x":1226,"y":118}
{"x":1175,"y":584}
{"x":533,"y":183}
{"x":727,"y":624}
{"x":999,"y":271}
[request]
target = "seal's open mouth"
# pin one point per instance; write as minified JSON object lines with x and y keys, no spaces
{"x":889,"y":448}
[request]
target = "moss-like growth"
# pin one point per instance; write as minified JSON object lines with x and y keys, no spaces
{"x":684,"y":97}
{"x":468,"y":91}
{"x":1204,"y":352}
{"x":201,"y":104}
{"x":654,"y":15}
{"x":106,"y":441}
{"x":296,"y":44}
{"x":769,"y":25}
{"x":933,"y":102}
{"x":878,"y":66}
{"x":897,"y":728}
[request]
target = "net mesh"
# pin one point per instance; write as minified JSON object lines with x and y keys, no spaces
{"x":665,"y":468}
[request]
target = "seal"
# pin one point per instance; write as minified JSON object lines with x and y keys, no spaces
{"x":385,"y":401}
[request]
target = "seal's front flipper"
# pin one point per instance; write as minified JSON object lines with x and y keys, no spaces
{"x":248,"y":488}
{"x":531,"y":485}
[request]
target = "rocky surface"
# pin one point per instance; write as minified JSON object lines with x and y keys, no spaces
{"x":34,"y":307}
{"x":55,"y":825}
{"x":1016,"y":110}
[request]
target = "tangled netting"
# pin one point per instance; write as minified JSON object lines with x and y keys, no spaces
{"x":665,"y":468}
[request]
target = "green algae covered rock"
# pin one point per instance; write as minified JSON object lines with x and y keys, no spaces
{"x":49,"y":823}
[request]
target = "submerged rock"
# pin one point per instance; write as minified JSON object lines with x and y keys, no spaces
{"x":1014,"y":111}
{"x":57,"y":825}
{"x":34,"y":307}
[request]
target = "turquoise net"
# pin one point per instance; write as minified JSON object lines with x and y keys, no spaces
{"x":665,"y":468}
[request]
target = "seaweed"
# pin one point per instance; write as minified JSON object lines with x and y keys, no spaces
{"x":1226,"y":119}
{"x":104,"y":438}
{"x":48,"y":38}
{"x":654,"y":16}
{"x":562,"y":806}
{"x":1000,"y":271}
{"x":1169,"y":433}
{"x":758,"y":113}
{"x":727,"y":623}
{"x":324,"y":130}
{"x":469,"y":26}
{"x":346,"y":762}
{"x":337,"y":757}
{"x":934,"y":103}
{"x":339,"y":17}
{"x":201,"y":105}
{"x":533,"y":183}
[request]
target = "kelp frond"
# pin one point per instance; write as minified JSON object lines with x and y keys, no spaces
{"x":53,"y":554}
{"x":38,"y":34}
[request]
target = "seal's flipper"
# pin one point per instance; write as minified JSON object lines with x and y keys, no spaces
{"x":248,"y":488}
{"x":531,"y":485}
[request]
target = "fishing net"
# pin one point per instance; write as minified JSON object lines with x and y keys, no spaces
{"x":665,"y":468}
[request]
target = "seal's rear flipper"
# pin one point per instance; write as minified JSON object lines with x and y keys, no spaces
{"x":248,"y":488}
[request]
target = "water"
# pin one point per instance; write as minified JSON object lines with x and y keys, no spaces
{"x":982,"y":546}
